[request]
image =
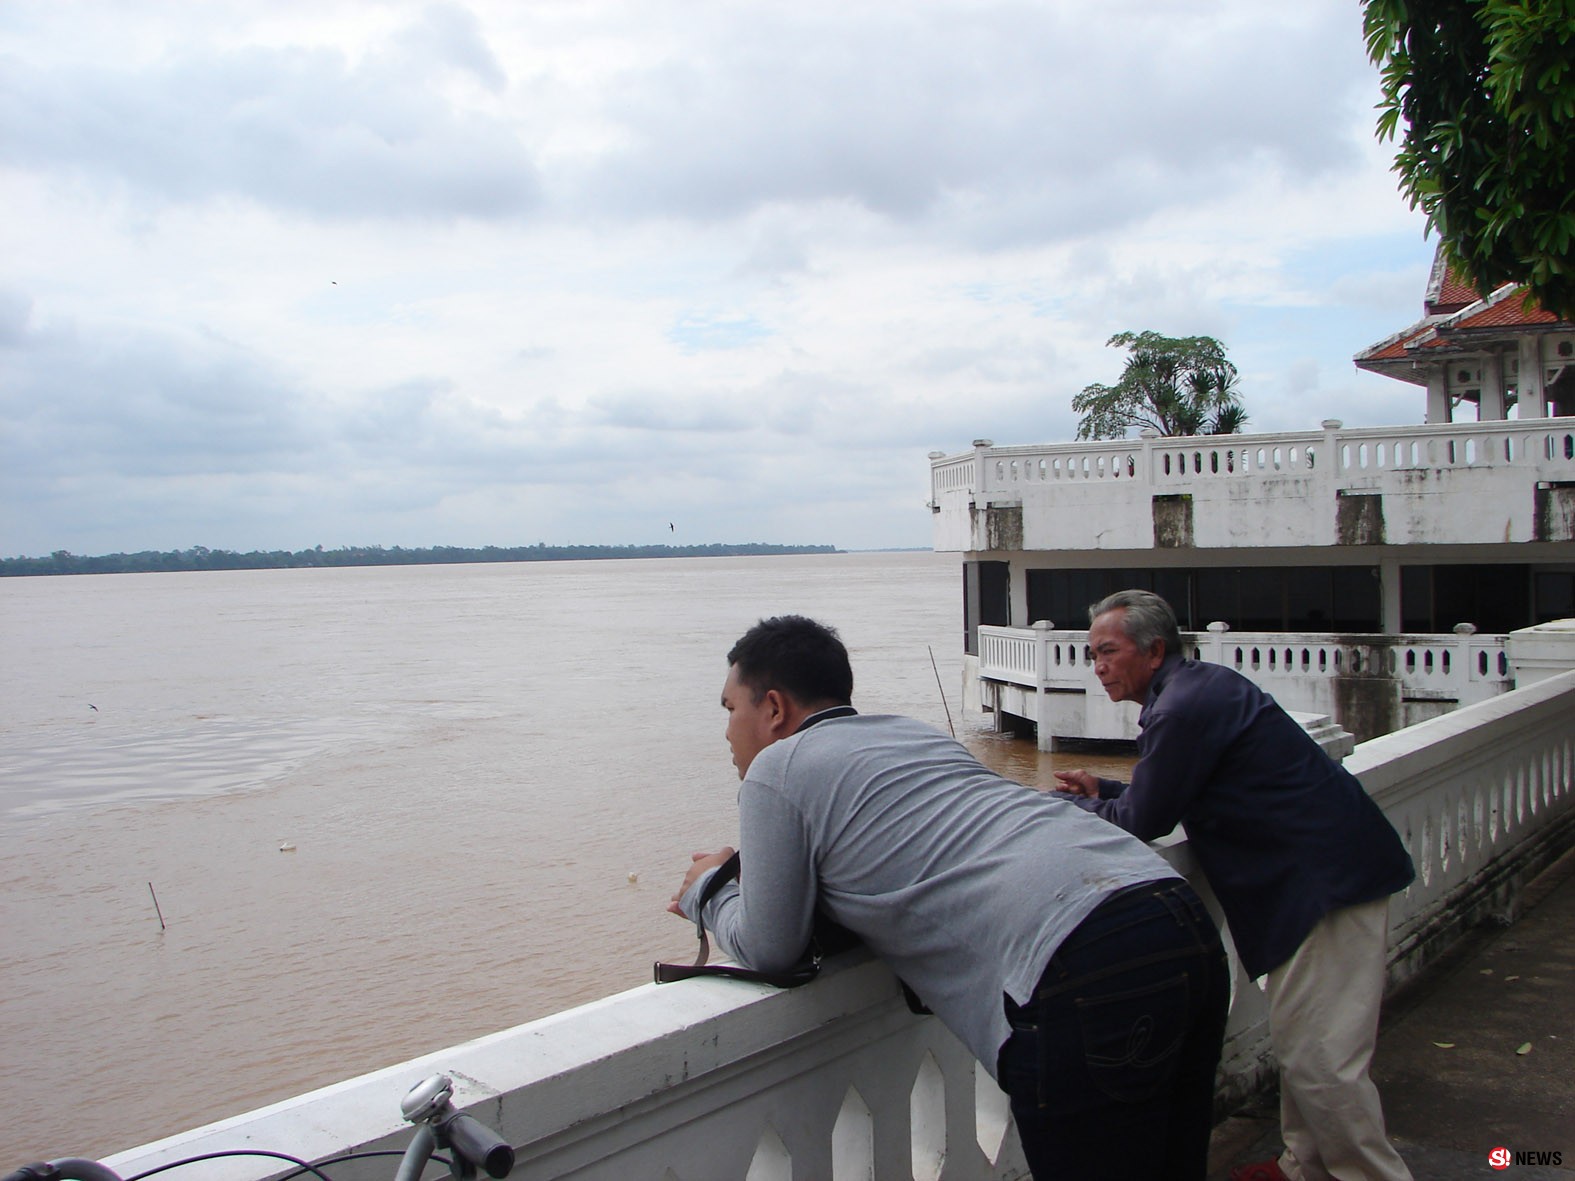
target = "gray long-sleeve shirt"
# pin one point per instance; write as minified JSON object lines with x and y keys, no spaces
{"x":964,"y":883}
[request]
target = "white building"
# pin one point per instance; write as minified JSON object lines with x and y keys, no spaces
{"x":1370,"y":574}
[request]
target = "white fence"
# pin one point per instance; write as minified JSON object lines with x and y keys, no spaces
{"x":1545,"y":446}
{"x":1476,"y":794}
{"x":1466,"y":668}
{"x":1490,"y":484}
{"x":716,"y":1079}
{"x":1417,"y":676}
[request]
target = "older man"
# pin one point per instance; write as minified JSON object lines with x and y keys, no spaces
{"x":1301,"y":859}
{"x":1078,"y":967}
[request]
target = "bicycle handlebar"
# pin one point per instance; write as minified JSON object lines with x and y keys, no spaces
{"x":427,"y":1106}
{"x":477,"y":1143}
{"x":69,"y":1168}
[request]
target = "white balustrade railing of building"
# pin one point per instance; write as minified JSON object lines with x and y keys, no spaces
{"x":1546,"y":446}
{"x":718,"y":1079}
{"x":1477,"y":795}
{"x":1455,"y":667}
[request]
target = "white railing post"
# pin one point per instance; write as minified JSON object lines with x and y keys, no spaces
{"x":981,"y":478}
{"x":1211,"y":642}
{"x":1042,"y":662}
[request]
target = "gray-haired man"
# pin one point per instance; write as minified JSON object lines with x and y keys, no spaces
{"x":1301,"y":859}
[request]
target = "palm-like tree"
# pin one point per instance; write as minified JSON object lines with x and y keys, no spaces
{"x":1173,"y":385}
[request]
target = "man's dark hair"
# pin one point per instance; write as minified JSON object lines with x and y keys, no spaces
{"x":797,"y":656}
{"x":1146,"y":618}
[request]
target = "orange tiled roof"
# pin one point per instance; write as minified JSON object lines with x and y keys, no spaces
{"x":1506,"y":312}
{"x":1395,"y":350}
{"x":1453,"y":293}
{"x":1508,"y":307}
{"x":1453,"y":308}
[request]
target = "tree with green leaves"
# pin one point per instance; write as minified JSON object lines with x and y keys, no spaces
{"x":1176,"y":385}
{"x":1486,"y":89}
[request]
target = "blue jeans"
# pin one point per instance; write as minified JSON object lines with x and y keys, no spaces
{"x":1110,"y":1065}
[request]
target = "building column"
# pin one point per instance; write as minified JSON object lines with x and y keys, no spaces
{"x":1533,"y":399}
{"x":1490,"y":404}
{"x":1438,"y":396}
{"x":1389,"y":595}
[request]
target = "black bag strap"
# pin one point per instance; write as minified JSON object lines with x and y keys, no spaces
{"x":726,"y":872}
{"x":802,"y":972}
{"x":806,"y":971}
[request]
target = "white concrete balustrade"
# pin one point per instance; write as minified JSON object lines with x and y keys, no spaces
{"x":837,"y":1080}
{"x":1546,"y":445}
{"x":1046,"y":675}
{"x":1478,"y":795}
{"x":1456,"y":482}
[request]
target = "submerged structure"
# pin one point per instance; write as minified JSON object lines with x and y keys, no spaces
{"x":1374,"y":574}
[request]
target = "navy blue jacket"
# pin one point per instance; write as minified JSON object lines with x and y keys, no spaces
{"x":1284,"y":833}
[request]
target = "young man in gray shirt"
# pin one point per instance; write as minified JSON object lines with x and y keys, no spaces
{"x":1075,"y":963}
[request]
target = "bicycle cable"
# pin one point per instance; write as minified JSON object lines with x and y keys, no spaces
{"x":302,"y":1166}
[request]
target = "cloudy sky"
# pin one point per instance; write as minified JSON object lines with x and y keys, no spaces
{"x":279,"y":274}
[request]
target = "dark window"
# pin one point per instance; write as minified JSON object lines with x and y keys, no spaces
{"x":1494,"y":598}
{"x":1309,"y":600}
{"x":1253,"y":598}
{"x":1503,"y":597}
{"x":1260,"y":593}
{"x":1216,"y":597}
{"x":1454,"y":597}
{"x":1357,"y":599}
{"x":987,"y":600}
{"x":1554,"y":596}
{"x":1175,"y":587}
{"x":1416,"y":599}
{"x":1064,"y":596}
{"x":1044,"y":601}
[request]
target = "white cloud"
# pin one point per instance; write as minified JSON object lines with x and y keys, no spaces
{"x":294,"y":129}
{"x":400,"y":273}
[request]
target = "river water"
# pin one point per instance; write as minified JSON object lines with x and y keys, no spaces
{"x":265,"y":830}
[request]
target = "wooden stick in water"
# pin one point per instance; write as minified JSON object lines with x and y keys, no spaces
{"x":156,"y":909}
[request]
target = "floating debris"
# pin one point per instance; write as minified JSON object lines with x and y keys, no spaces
{"x":1445,"y":1045}
{"x":287,"y":847}
{"x":1524,"y":1050}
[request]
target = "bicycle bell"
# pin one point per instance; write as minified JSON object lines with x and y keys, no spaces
{"x":427,"y":1098}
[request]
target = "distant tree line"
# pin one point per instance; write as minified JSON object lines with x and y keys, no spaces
{"x":201,"y":558}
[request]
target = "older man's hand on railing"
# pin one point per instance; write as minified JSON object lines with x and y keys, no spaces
{"x":1078,"y":782}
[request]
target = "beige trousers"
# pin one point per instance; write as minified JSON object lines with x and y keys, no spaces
{"x":1323,"y":1017}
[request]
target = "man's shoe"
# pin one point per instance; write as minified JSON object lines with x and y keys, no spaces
{"x":1264,"y":1170}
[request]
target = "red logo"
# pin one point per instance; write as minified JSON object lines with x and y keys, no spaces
{"x":1500,"y":1158}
